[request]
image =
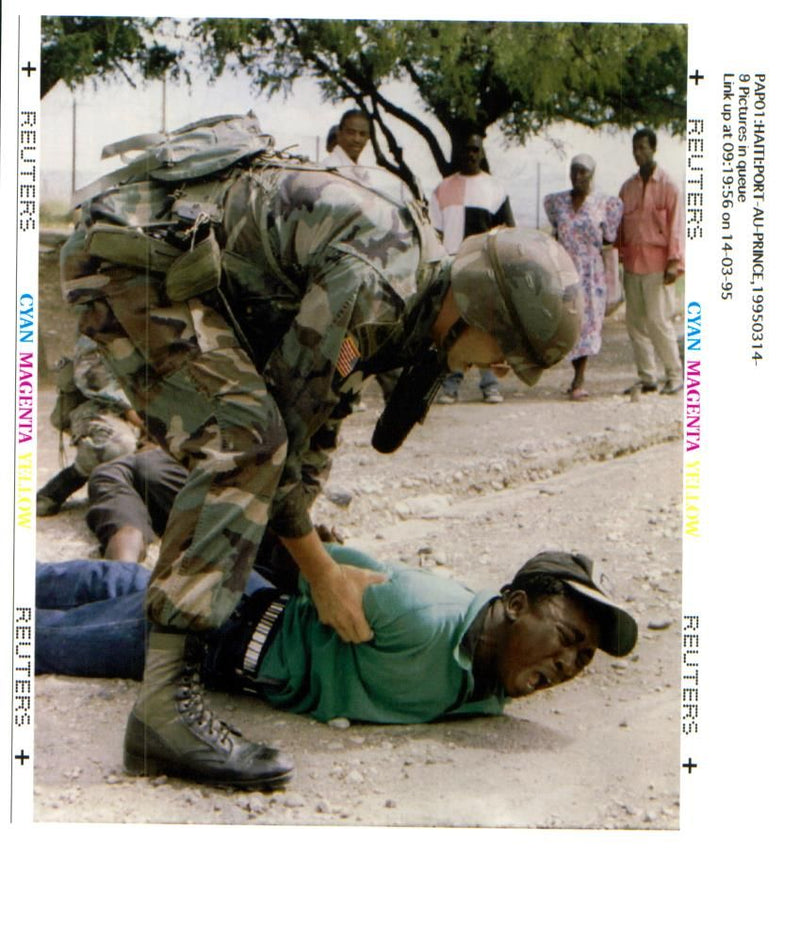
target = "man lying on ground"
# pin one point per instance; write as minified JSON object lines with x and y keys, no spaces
{"x":437,"y":648}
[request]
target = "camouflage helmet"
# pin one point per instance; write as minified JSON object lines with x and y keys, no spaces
{"x":520,"y":286}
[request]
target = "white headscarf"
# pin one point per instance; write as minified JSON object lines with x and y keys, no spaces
{"x":583,"y":160}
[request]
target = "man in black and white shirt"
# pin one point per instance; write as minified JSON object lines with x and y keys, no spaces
{"x":464,"y":204}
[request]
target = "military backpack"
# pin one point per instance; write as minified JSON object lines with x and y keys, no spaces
{"x":158,"y":211}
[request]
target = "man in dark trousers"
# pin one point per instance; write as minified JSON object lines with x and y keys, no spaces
{"x":464,"y":204}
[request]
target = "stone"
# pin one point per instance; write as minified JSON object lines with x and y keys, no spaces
{"x":426,"y":506}
{"x":659,"y":624}
{"x":339,"y":496}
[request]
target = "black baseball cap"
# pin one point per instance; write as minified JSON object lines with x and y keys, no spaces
{"x":618,"y":633}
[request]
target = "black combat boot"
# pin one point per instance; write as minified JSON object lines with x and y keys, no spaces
{"x":63,"y":485}
{"x":172,"y":731}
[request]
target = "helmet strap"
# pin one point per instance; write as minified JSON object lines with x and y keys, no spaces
{"x":452,"y":335}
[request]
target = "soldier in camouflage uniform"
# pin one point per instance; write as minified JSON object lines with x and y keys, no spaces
{"x":100,"y":420}
{"x":322,"y":278}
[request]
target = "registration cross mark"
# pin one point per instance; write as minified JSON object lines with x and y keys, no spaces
{"x":696,"y":78}
{"x":22,"y":757}
{"x":689,"y":766}
{"x":28,"y":68}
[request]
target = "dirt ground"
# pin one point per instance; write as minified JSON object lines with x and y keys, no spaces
{"x":473,"y":493}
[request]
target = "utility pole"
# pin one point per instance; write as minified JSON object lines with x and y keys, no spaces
{"x":74,"y":137}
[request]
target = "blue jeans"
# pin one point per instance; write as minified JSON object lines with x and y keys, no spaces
{"x":453,"y":380}
{"x":90,"y":620}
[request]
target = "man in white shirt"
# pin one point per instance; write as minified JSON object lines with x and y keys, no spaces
{"x":350,"y":141}
{"x":464,"y":204}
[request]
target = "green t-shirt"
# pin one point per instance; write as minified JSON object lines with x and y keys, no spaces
{"x":411,"y":671}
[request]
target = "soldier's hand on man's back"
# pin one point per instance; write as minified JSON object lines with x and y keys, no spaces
{"x":338,"y":599}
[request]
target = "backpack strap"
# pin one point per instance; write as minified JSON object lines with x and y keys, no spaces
{"x":196,"y":151}
{"x":139,"y":142}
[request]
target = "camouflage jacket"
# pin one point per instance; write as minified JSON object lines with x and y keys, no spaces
{"x":344,"y":273}
{"x":319,"y":273}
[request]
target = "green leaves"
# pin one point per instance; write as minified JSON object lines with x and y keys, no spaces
{"x":77,"y":48}
{"x":469,"y":75}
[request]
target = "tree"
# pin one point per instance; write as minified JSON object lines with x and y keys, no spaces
{"x":76,"y":48}
{"x":470,"y":76}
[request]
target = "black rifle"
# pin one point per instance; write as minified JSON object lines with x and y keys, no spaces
{"x":410,"y":400}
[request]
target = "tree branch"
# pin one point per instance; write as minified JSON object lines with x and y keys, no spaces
{"x":118,"y":65}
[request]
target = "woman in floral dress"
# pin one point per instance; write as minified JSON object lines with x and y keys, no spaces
{"x":582,"y":222}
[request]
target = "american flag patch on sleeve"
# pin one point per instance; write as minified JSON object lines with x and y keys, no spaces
{"x":348,"y":357}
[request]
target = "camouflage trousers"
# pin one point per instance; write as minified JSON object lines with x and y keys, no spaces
{"x":205,"y":402}
{"x":224,"y":434}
